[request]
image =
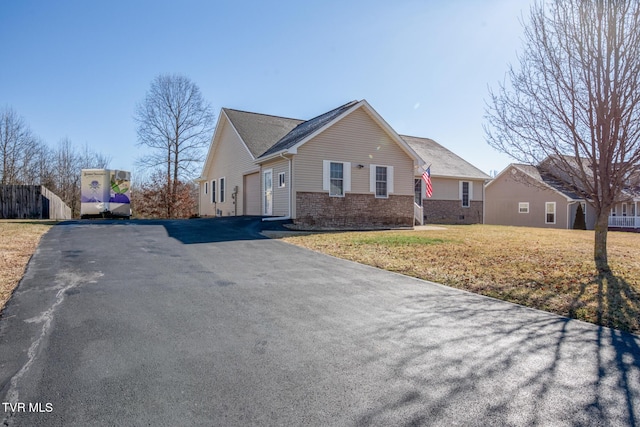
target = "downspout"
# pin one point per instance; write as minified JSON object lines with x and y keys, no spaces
{"x":288,"y":216}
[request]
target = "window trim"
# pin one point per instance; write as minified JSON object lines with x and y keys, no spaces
{"x":373,"y":180}
{"x":282,"y":180}
{"x":214,"y":193}
{"x":523,"y":207}
{"x":339,"y":193}
{"x":326,"y":177}
{"x":547,"y":213}
{"x":385,"y":182}
{"x":418,"y":192}
{"x":469,"y":194}
{"x":223,"y":188}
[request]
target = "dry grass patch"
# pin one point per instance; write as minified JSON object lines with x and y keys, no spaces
{"x":18,"y":242}
{"x":546,"y":269}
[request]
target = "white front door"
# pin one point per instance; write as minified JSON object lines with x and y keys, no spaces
{"x":267,"y":178}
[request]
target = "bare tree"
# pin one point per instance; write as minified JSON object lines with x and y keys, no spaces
{"x":176,"y":124}
{"x":18,"y":147}
{"x":150,"y":198}
{"x":67,"y":161}
{"x":575,"y":101}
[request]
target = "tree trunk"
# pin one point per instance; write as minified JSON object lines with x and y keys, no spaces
{"x":600,"y":246}
{"x":168,"y":190}
{"x":174,"y":192}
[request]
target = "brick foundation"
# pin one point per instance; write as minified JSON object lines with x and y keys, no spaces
{"x":354,"y":211}
{"x":451,"y":212}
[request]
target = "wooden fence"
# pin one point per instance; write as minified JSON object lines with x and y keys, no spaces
{"x":32,"y":202}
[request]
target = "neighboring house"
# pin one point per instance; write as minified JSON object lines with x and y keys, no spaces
{"x":544,"y":196}
{"x":525,"y":195}
{"x":625,"y":215}
{"x":346,"y":168}
{"x":458,"y":196}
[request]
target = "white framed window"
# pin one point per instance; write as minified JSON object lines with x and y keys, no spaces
{"x":417,"y":191}
{"x":336,"y":177}
{"x":206,"y":187}
{"x":381,"y":180}
{"x":336,"y":183}
{"x":466,"y":193}
{"x":523,"y":207}
{"x":282,"y":180}
{"x":213,"y":191}
{"x":624,"y":209}
{"x":550,"y":212}
{"x":223,"y":189}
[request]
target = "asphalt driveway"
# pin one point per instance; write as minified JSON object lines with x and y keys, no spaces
{"x":206,"y":322}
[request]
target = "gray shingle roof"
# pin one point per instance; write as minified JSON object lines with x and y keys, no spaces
{"x":305,"y":129}
{"x":557,"y":184}
{"x":444,"y":163}
{"x":260,"y":131}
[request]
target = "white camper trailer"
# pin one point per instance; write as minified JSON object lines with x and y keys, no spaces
{"x":105,"y":193}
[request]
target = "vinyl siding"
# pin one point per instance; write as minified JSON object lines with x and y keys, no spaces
{"x":449,"y":189}
{"x":232,"y":161}
{"x":357,"y":139}
{"x":504,"y":194}
{"x":280,"y":195}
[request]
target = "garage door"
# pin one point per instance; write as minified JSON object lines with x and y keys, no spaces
{"x":252,"y":194}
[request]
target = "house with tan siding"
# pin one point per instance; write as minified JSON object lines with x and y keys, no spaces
{"x":346,"y":168}
{"x":458,"y":196}
{"x":529,"y":196}
{"x":544,"y":196}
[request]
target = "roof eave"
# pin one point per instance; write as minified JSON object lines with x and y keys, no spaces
{"x":469,"y":178}
{"x":514,"y":166}
{"x":272,"y":156}
{"x":419,"y":161}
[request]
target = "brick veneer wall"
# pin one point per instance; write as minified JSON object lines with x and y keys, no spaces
{"x":353,"y":211}
{"x":451,"y":212}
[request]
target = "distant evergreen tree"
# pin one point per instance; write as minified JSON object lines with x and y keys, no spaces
{"x":579,"y":223}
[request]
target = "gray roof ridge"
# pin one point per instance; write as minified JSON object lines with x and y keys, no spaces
{"x":307,"y":127}
{"x":333,"y":109}
{"x":262,"y":114}
{"x":548,"y":178}
{"x":464,"y":167}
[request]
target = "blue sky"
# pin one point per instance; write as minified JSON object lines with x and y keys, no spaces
{"x":77,"y":69}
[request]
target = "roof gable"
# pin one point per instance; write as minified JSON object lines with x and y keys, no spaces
{"x":444,"y":163}
{"x":309,"y":129}
{"x":265,"y":136}
{"x":303,"y":130}
{"x":543,"y":178}
{"x":260,"y":132}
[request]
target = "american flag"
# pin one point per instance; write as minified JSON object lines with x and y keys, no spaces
{"x":426,"y":176}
